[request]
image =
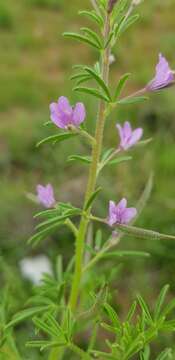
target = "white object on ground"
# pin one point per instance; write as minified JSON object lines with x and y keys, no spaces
{"x":33,"y":268}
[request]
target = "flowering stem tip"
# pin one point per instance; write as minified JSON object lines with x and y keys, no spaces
{"x":111,"y":5}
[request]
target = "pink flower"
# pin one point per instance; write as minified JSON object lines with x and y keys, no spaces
{"x":63,"y":115}
{"x":164,"y":76}
{"x":128,"y":137}
{"x":45,"y":195}
{"x":120,"y":214}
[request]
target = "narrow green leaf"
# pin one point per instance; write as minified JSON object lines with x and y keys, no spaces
{"x":59,"y":219}
{"x":25,"y":314}
{"x":145,"y":354}
{"x":106,"y":154}
{"x":169,"y":308}
{"x":35,"y":239}
{"x":119,"y":160}
{"x":144,"y":142}
{"x":121,"y":85}
{"x":165,"y":355}
{"x":127,"y":23}
{"x":48,"y":213}
{"x":44,"y":344}
{"x":50,"y":330}
{"x":108,"y":327}
{"x":132,"y":100}
{"x":81,"y":38}
{"x":93,"y":92}
{"x":66,"y":206}
{"x":93,"y":36}
{"x":109,"y":39}
{"x":99,"y":80}
{"x":83,"y":79}
{"x":131,"y":311}
{"x":69,"y":323}
{"x":144,"y":308}
{"x":112,"y":315}
{"x":53,"y":220}
{"x":144,"y":233}
{"x":97,"y":68}
{"x":93,"y":16}
{"x":119,"y":9}
{"x":92,"y":198}
{"x":117,"y":25}
{"x":56,"y":138}
{"x":48,"y":123}
{"x":52,"y":323}
{"x":78,"y":76}
{"x":160,"y":302}
{"x":168,"y":326}
{"x":126,"y":253}
{"x":84,"y":159}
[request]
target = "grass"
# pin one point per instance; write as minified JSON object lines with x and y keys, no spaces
{"x":6,"y":17}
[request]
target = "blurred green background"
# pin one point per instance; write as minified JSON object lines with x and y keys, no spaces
{"x":35,"y":69}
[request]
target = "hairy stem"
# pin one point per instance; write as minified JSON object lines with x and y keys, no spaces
{"x":96,"y":152}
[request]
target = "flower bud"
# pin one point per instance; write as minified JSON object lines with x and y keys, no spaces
{"x":111,"y":5}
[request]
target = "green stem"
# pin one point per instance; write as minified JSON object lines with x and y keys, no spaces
{"x":104,"y":163}
{"x":93,"y":336}
{"x":71,"y":226}
{"x":96,"y":152}
{"x":110,"y":244}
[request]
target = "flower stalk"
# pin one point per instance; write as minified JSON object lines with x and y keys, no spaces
{"x":93,"y":173}
{"x":96,"y":152}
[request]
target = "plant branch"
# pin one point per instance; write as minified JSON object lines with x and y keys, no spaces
{"x":112,"y":242}
{"x":96,"y":153}
{"x":104,"y":163}
{"x":71,"y":226}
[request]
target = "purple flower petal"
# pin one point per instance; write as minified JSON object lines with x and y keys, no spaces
{"x":55,"y":116}
{"x":63,"y":115}
{"x":112,"y":213}
{"x":136,"y":136}
{"x":65,"y":110}
{"x":120,"y":214}
{"x":79,"y":114}
{"x":64,"y":105}
{"x":45,"y":195}
{"x":122,"y":204}
{"x":61,"y":112}
{"x":128,"y":215}
{"x":164,"y":76}
{"x":128,"y":137}
{"x":127,"y":130}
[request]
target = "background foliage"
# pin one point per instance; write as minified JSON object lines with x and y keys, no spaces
{"x":35,"y":66}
